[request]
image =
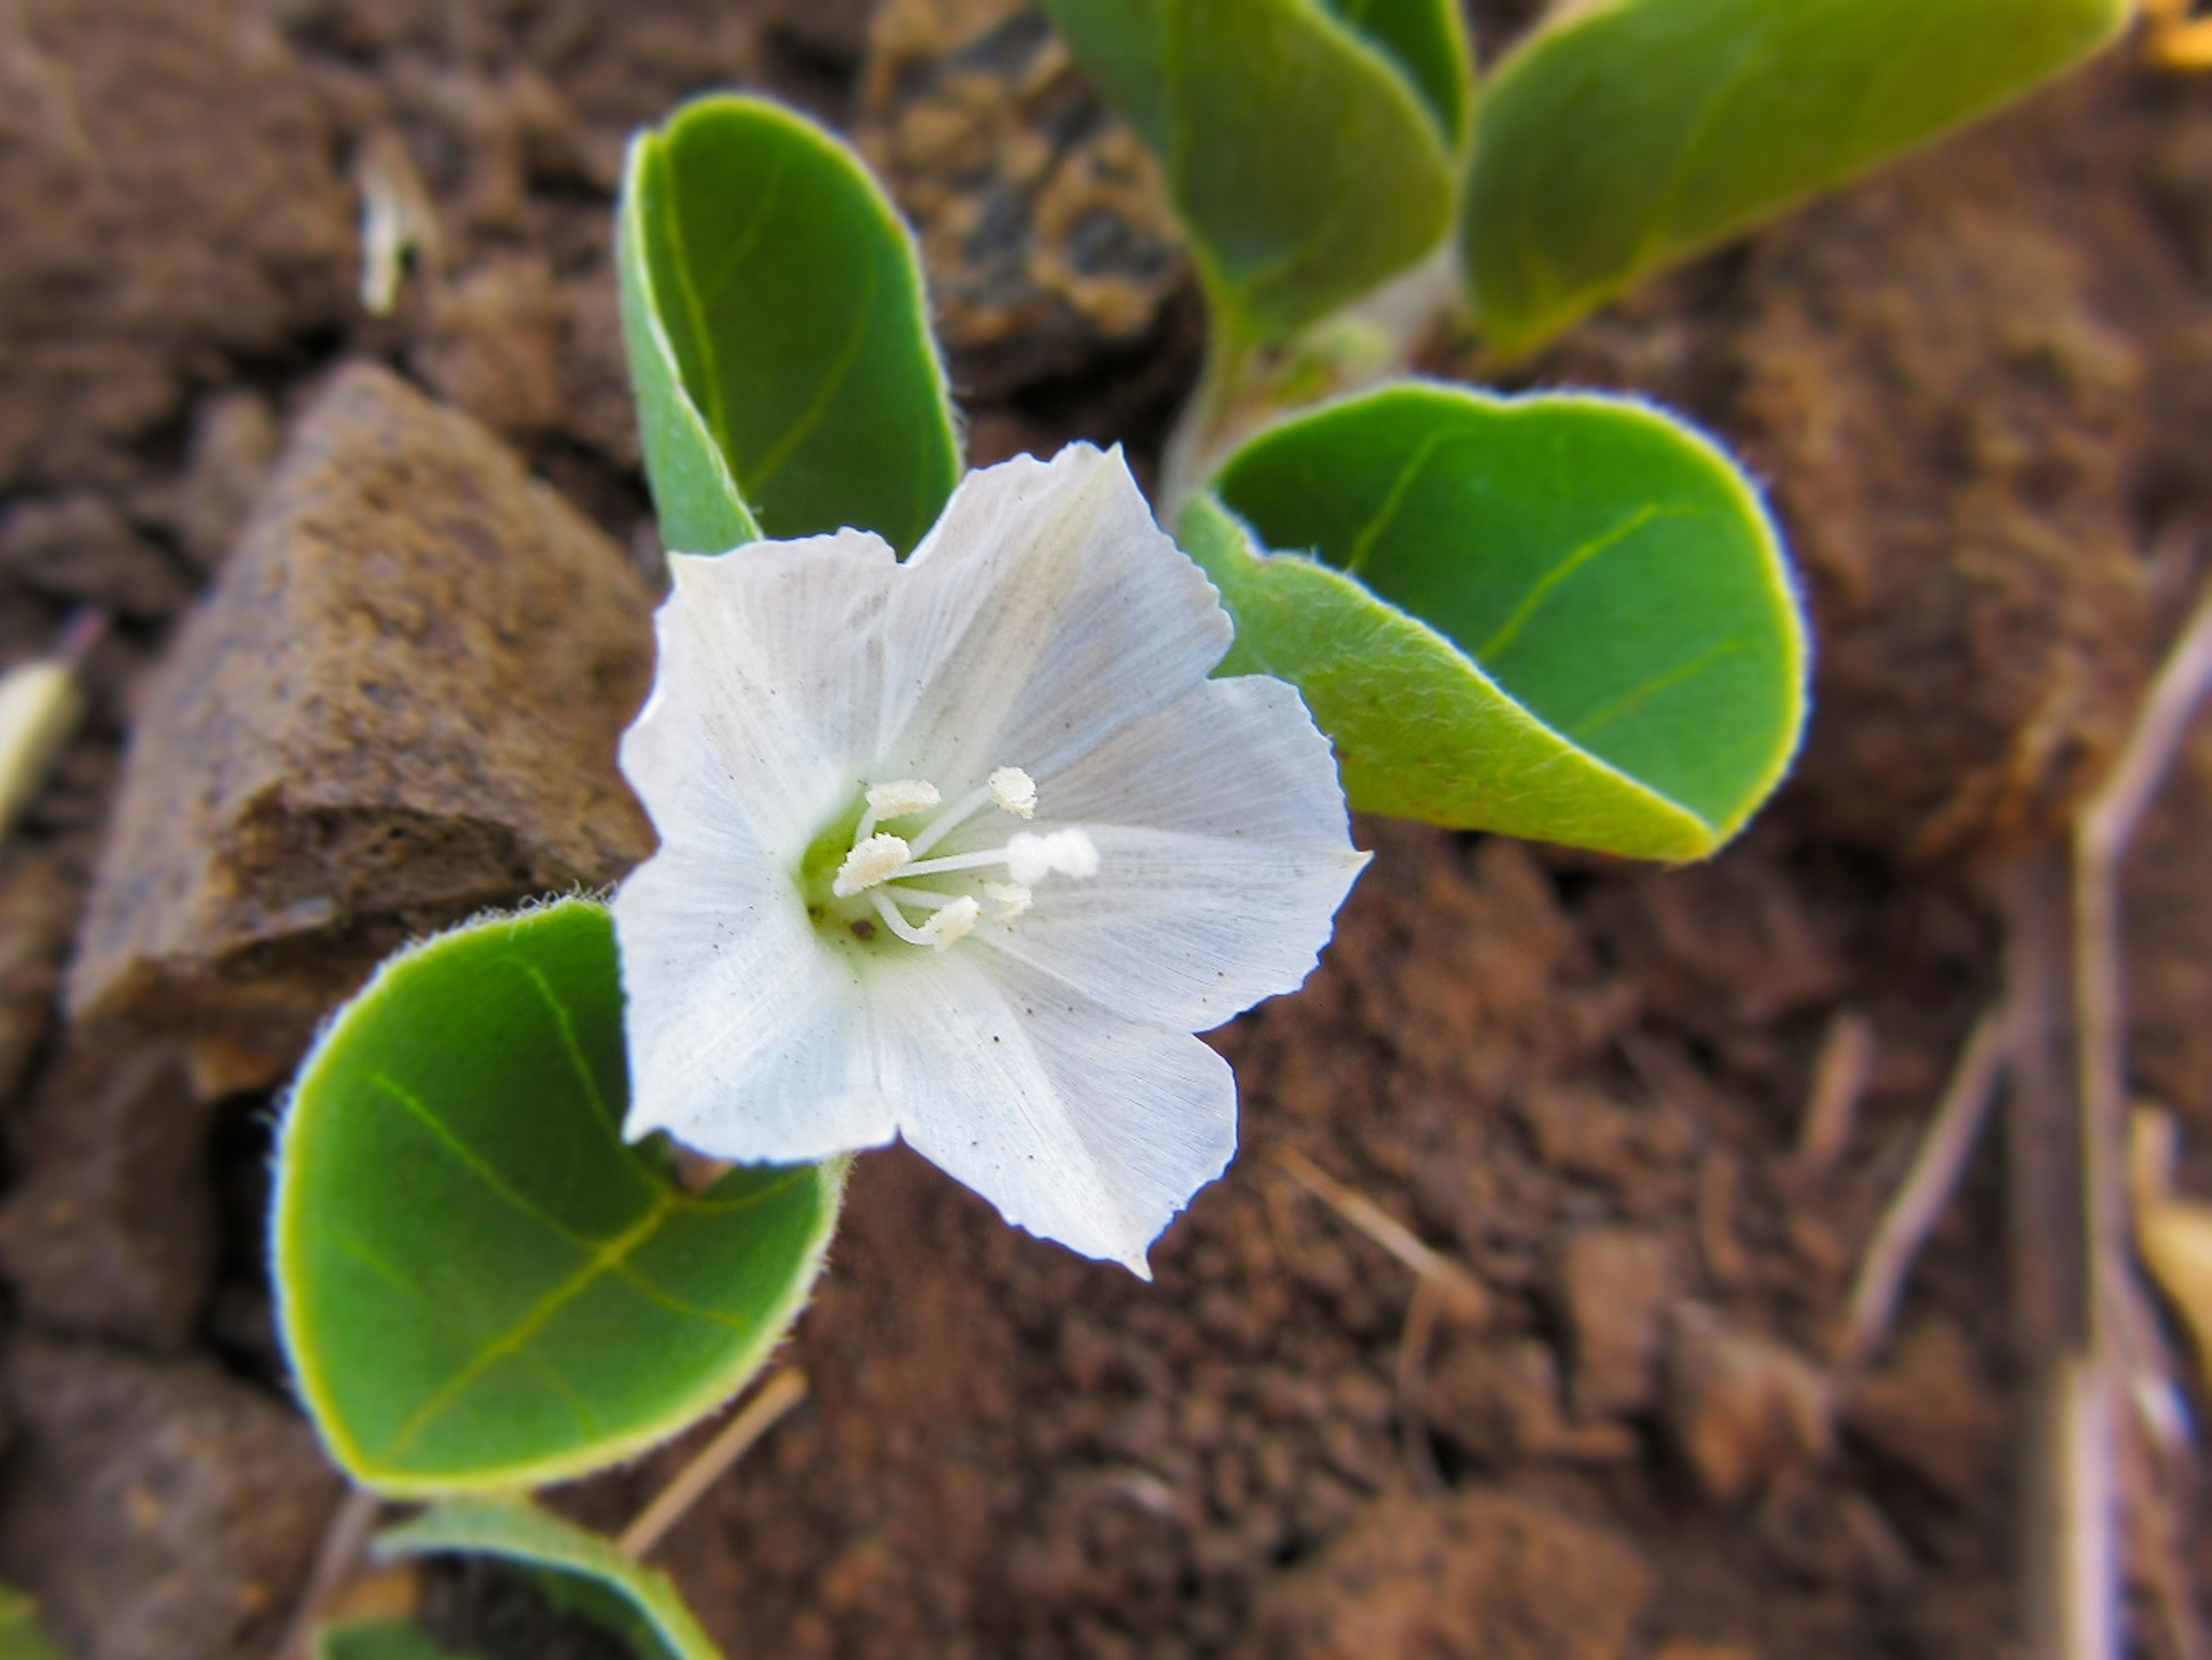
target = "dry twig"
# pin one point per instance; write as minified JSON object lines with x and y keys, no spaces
{"x":1468,"y":1301}
{"x":343,"y":1539}
{"x":1839,"y":1082}
{"x":673,"y":1502}
{"x":1926,"y":1190}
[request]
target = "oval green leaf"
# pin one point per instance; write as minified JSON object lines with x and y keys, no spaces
{"x":481,"y":1286}
{"x":1560,"y":616}
{"x":787,"y":383}
{"x":1427,"y":40}
{"x":1305,"y":164}
{"x":1631,"y":134}
{"x":583,"y":1573}
{"x":378,"y":1640}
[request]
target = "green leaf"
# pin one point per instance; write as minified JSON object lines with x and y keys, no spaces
{"x":481,"y":1286}
{"x":635,"y":1602}
{"x":379,"y":1639}
{"x":22,"y":1636}
{"x":786,"y":380}
{"x":1631,"y":134}
{"x":1427,"y":42}
{"x":1305,"y":165}
{"x":1562,"y":617}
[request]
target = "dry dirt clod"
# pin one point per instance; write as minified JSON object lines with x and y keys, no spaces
{"x":110,"y":1229}
{"x":1615,"y":1287}
{"x":38,"y":903}
{"x":234,"y":444}
{"x":155,"y":1509}
{"x":78,"y":549}
{"x":399,"y":705}
{"x":1930,"y":1411}
{"x":1041,"y":216}
{"x":1478,"y":1576}
{"x":1740,"y":1407}
{"x":167,"y":192}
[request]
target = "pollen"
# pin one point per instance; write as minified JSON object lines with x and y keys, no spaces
{"x":901,"y":796}
{"x":1015,"y":792}
{"x":872,"y":862}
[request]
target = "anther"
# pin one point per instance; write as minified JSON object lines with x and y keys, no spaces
{"x":1008,"y":899}
{"x":1014,"y":791}
{"x":954,"y":921}
{"x":873,"y":861}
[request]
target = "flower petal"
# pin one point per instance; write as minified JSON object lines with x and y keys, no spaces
{"x":1080,"y":1127}
{"x":743,"y":1030}
{"x":767,"y":700}
{"x":1044,"y":611}
{"x":1223,"y":850}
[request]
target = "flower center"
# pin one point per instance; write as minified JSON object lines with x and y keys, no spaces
{"x":886,"y":879}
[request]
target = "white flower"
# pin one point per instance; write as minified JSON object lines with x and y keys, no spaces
{"x":964,"y":850}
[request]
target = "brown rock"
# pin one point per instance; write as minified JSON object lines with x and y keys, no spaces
{"x":1576,"y":1129}
{"x":1615,"y":1287}
{"x":399,"y":705}
{"x":110,"y":1231}
{"x":168,"y":188}
{"x":1479,"y":1577}
{"x":1929,"y":1411}
{"x":155,"y":1509}
{"x":1739,"y":1406}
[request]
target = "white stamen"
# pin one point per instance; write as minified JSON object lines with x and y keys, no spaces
{"x":1008,"y":900}
{"x":955,"y":921}
{"x":1014,"y":791}
{"x":925,"y":898}
{"x":898,"y":924}
{"x":873,"y":861}
{"x":1031,"y":858}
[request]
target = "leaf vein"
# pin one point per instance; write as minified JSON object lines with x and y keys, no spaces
{"x":1545,"y":586}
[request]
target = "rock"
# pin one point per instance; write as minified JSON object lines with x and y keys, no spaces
{"x":1615,"y":1287}
{"x":1477,"y":1576}
{"x":234,"y":439}
{"x":78,"y":549}
{"x":110,"y":1229}
{"x":155,"y":1509}
{"x":38,"y":903}
{"x":1739,"y":1406}
{"x":1041,"y":220}
{"x":168,"y":191}
{"x":1930,"y":1411}
{"x":399,"y":705}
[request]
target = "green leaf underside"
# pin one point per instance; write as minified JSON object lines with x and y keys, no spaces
{"x":773,"y":312}
{"x":637,"y":1603}
{"x":1570,"y":619}
{"x":481,"y":1285}
{"x":380,"y":1639}
{"x":1633,"y":135}
{"x":1426,"y":39}
{"x":1304,"y":163}
{"x":22,"y":1636}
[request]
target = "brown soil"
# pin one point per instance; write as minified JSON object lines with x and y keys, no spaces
{"x":1977,"y":386}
